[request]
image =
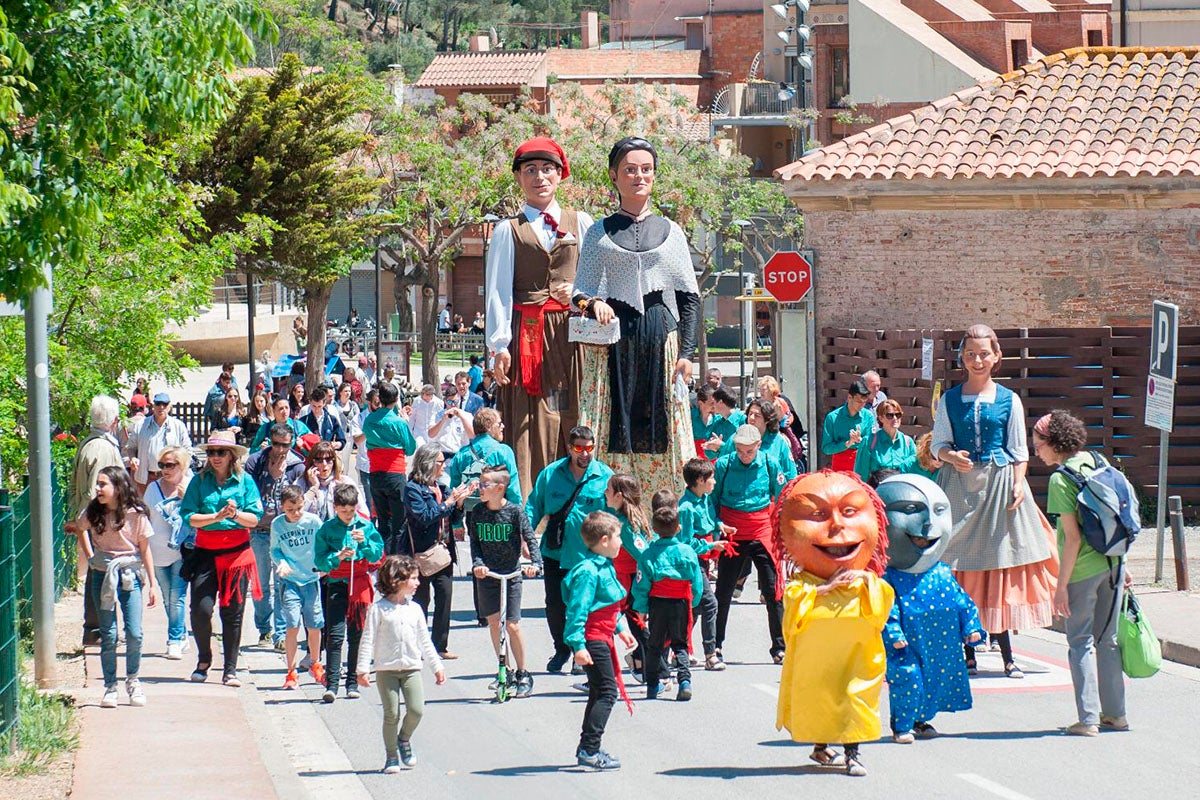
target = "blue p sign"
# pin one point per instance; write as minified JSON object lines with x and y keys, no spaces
{"x":1164,"y":339}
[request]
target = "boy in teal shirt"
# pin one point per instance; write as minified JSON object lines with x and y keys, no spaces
{"x":593,"y":616}
{"x":348,"y":549}
{"x":700,"y":529}
{"x":668,"y":586}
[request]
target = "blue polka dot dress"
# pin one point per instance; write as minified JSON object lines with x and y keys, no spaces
{"x":933,"y":615}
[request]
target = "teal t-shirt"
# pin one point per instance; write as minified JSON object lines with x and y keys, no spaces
{"x":1060,"y":500}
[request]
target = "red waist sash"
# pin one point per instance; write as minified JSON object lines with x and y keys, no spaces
{"x":601,"y":626}
{"x":222,"y":539}
{"x":386,"y":459}
{"x":676,"y":589}
{"x":844,"y":461}
{"x":361,"y":593}
{"x":756,"y":526}
{"x":625,"y":565}
{"x":533,"y":339}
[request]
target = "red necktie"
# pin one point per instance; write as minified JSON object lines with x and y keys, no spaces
{"x":553,"y":223}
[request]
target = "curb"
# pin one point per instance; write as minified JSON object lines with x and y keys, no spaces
{"x":1178,"y":652}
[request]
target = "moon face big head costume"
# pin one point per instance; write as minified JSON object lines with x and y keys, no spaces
{"x":932,"y":617}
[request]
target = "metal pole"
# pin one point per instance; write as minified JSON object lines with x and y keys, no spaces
{"x":41,"y":517}
{"x":251,"y":302}
{"x":742,"y":328}
{"x":381,"y":324}
{"x":801,"y":84}
{"x":1164,"y":439}
{"x":1182,"y":580}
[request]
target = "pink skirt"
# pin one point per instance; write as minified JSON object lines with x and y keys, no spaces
{"x":1015,"y":598}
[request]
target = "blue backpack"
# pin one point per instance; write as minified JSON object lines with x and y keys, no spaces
{"x":1109,"y":514}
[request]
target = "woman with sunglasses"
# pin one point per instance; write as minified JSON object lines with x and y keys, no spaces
{"x":635,"y":267}
{"x":163,"y":499}
{"x":223,"y":505}
{"x":322,"y":475}
{"x":888,"y":448}
{"x":231,"y":414}
{"x":428,"y":517}
{"x":258,"y":413}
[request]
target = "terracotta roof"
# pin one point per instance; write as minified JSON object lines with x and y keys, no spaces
{"x":492,"y":68}
{"x":1084,"y":112}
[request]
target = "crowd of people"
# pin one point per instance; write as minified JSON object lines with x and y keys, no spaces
{"x":641,"y":498}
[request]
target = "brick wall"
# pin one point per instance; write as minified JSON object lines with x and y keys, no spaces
{"x":736,"y":39}
{"x":987,"y":41}
{"x":1010,"y":269}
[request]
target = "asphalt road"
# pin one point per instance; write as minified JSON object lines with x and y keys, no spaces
{"x":723,"y":743}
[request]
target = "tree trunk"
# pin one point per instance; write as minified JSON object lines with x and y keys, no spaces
{"x":429,"y":315}
{"x":407,"y":22}
{"x":442,"y":47}
{"x":333,"y":10}
{"x":404,"y":306}
{"x":317,"y":302}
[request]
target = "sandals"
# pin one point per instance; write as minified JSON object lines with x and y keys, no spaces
{"x":1013,"y":671}
{"x":714,"y":663}
{"x":777,"y":658}
{"x":854,"y":767}
{"x":200,"y":674}
{"x":822,"y":755}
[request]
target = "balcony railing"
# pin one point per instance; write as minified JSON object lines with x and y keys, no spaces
{"x":761,"y":98}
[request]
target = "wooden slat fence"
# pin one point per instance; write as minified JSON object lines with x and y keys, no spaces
{"x":1099,"y":374}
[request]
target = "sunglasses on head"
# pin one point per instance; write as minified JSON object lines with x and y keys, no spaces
{"x":583,"y":448}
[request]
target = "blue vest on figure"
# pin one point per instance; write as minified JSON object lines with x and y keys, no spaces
{"x":990,"y":443}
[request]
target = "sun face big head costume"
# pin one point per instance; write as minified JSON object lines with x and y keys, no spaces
{"x":833,"y":529}
{"x":932,"y":617}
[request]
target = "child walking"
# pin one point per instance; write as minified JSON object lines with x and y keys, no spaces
{"x":115,"y":534}
{"x":594,"y":601}
{"x":396,"y":638}
{"x":668,"y":586}
{"x":348,"y":549}
{"x":293,"y":550}
{"x":497,"y":528}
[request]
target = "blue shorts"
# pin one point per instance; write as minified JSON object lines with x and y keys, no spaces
{"x":301,"y":603}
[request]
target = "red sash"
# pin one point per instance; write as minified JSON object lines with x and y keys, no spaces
{"x":756,"y":525}
{"x":222,"y":539}
{"x":844,"y":461}
{"x":361,"y":592}
{"x":386,"y":459}
{"x":676,"y":589}
{"x":601,"y":626}
{"x":626,"y":568}
{"x":232,"y":567}
{"x":711,"y":555}
{"x":533,"y":339}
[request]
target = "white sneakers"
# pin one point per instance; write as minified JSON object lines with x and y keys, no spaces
{"x":137,"y":697}
{"x":110,"y":697}
{"x":174,"y":651}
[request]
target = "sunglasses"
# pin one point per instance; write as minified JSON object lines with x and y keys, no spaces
{"x":894,"y":415}
{"x":167,"y":465}
{"x":488,"y":484}
{"x":219,"y":453}
{"x":324,"y":459}
{"x":161,"y":405}
{"x":583,"y":448}
{"x":281,"y":445}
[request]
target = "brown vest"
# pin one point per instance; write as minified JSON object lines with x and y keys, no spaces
{"x":535,"y":271}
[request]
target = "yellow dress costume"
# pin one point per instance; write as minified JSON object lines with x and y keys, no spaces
{"x":834,"y":666}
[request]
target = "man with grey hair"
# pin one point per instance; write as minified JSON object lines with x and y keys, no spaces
{"x":873,"y":381}
{"x":98,"y":450}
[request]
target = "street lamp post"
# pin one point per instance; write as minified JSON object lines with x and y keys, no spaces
{"x":802,"y":62}
{"x":742,"y":225}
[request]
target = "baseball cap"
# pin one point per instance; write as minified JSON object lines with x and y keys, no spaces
{"x":747,"y":434}
{"x":162,"y":397}
{"x":138,"y":401}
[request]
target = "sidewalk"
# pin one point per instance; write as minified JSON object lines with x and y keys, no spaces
{"x":190,"y":737}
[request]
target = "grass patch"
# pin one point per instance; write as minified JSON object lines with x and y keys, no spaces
{"x":45,"y":729}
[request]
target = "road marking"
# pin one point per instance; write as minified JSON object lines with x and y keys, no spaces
{"x":993,"y":787}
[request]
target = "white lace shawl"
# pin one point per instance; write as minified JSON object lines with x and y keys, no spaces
{"x":613,"y":273}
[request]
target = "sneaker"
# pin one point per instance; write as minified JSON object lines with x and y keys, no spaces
{"x":1082,"y":729}
{"x":329,"y":696}
{"x":391,"y":766}
{"x":524,"y":683}
{"x":265,"y":640}
{"x":904,"y":738}
{"x":406,"y":754}
{"x":352,"y":693}
{"x":577,"y":669}
{"x":110,"y":697}
{"x":1114,"y":723}
{"x":174,"y":651}
{"x":685,"y":691}
{"x":280,"y":646}
{"x":597,"y":760}
{"x":446,"y":655}
{"x":737,"y":593}
{"x":133,"y":687}
{"x":291,"y":681}
{"x":924,"y":730}
{"x":231,"y":680}
{"x":652,"y":691}
{"x":317,"y":670}
{"x":556,"y":663}
{"x":581,"y":687}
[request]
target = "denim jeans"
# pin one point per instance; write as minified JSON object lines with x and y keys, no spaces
{"x":174,"y":592}
{"x":268,"y":615}
{"x":130,"y":601}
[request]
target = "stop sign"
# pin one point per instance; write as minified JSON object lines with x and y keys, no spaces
{"x":787,"y":276}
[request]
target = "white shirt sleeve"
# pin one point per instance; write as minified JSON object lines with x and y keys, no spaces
{"x":585,"y":222}
{"x":1018,"y":445}
{"x":943,"y":434}
{"x":498,"y":274}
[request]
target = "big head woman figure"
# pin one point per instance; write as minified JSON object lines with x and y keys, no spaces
{"x":833,"y":528}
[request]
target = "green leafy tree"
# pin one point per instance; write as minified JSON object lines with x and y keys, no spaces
{"x":444,"y":169}
{"x":82,"y":86}
{"x":287,"y":158}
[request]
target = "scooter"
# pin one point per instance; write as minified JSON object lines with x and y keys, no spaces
{"x":505,"y":690}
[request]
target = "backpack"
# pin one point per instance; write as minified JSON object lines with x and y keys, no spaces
{"x":1108,"y":510}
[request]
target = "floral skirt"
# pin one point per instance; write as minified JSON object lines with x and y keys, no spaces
{"x":653,"y":471}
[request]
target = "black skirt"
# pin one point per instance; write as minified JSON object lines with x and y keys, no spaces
{"x":638,"y":384}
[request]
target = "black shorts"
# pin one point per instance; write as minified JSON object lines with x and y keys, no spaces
{"x":489,"y":598}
